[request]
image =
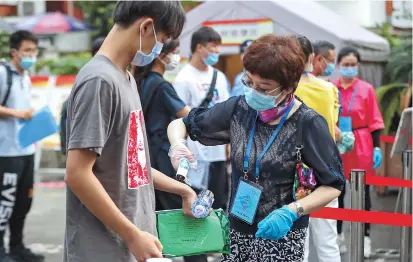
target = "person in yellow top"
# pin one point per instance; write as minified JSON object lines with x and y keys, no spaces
{"x":322,"y":96}
{"x":316,"y":93}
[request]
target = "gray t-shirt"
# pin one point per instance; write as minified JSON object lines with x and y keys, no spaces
{"x":105,"y":116}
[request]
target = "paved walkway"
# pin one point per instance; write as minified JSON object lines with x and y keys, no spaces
{"x":45,"y":228}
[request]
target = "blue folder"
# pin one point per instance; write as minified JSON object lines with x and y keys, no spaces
{"x":41,"y":125}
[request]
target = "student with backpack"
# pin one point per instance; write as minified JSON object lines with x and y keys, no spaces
{"x":16,"y":163}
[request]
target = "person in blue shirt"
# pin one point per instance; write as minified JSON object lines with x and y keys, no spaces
{"x":238,"y":88}
{"x":16,"y":163}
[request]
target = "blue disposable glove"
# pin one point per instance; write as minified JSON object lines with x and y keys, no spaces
{"x":377,"y":157}
{"x":277,"y":224}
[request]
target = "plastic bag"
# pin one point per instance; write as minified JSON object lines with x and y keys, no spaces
{"x":186,"y":236}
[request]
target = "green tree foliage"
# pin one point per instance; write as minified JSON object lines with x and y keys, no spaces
{"x":4,"y":45}
{"x":386,"y":31}
{"x":98,"y":15}
{"x":394,"y":97}
{"x":188,"y":5}
{"x":64,"y":65}
{"x":399,"y":66}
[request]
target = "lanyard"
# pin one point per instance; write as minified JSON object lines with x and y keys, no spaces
{"x":353,"y":96}
{"x":251,"y":138}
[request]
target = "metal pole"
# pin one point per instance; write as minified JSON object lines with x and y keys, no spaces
{"x":406,"y":234}
{"x":357,"y":184}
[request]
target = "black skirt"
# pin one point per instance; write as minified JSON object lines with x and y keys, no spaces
{"x":247,"y":248}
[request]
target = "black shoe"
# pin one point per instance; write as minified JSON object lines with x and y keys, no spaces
{"x":4,"y":257}
{"x":23,"y":254}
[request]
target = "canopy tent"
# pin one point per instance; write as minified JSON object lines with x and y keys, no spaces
{"x":307,"y":18}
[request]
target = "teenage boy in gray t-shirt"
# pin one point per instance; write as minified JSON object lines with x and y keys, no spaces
{"x":110,"y":199}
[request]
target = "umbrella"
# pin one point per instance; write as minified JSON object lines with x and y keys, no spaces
{"x":6,"y":27}
{"x":52,"y":23}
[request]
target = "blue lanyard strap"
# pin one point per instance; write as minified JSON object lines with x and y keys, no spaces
{"x":251,"y":138}
{"x":350,"y":106}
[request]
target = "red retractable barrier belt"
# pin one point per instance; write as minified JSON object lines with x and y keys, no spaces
{"x":372,"y":217}
{"x":388,"y":181}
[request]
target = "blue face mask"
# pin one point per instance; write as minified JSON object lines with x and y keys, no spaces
{"x":258,"y":101}
{"x":27,"y":62}
{"x":329,"y":70}
{"x":142,"y":59}
{"x":349,"y":71}
{"x":212,"y":59}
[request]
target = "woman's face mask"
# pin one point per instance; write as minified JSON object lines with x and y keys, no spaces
{"x":174,"y":60}
{"x":142,"y":59}
{"x":349,"y":71}
{"x":259,"y":101}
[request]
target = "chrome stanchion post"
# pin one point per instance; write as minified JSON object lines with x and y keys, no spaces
{"x":357,"y":184}
{"x":406,"y":234}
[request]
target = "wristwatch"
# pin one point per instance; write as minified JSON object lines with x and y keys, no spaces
{"x":300,"y":209}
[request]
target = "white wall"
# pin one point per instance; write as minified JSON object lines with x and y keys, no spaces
{"x":39,"y":7}
{"x":367,"y":13}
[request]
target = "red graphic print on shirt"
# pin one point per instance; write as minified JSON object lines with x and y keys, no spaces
{"x":137,"y":169}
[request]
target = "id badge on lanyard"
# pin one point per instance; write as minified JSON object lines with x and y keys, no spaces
{"x":248,"y":193}
{"x":345,"y":123}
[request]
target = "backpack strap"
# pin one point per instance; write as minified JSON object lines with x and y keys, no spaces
{"x":9,"y":77}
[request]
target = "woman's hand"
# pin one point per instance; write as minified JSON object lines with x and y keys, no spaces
{"x":277,"y":224}
{"x":178,"y":151}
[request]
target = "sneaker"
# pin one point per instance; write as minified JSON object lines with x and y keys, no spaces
{"x":4,"y":257}
{"x":341,"y":243}
{"x":23,"y":254}
{"x":367,"y":247}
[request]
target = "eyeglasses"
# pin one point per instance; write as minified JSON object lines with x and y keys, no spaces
{"x":246,"y":81}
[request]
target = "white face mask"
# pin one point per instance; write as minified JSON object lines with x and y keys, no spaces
{"x":174,"y":62}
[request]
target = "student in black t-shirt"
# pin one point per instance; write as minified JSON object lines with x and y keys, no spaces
{"x":161,"y":105}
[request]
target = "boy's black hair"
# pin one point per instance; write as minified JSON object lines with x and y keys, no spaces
{"x":323,"y":48}
{"x":203,"y":36}
{"x":348,"y":50}
{"x":169,"y":16}
{"x":244,"y":45}
{"x":18,"y":37}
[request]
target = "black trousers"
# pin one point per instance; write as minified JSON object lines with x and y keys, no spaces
{"x":367,"y":206}
{"x":218,"y":184}
{"x":16,"y":187}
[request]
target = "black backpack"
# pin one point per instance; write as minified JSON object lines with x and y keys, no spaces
{"x":9,"y":82}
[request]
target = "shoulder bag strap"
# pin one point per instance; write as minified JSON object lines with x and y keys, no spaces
{"x":300,"y":126}
{"x":211,"y":89}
